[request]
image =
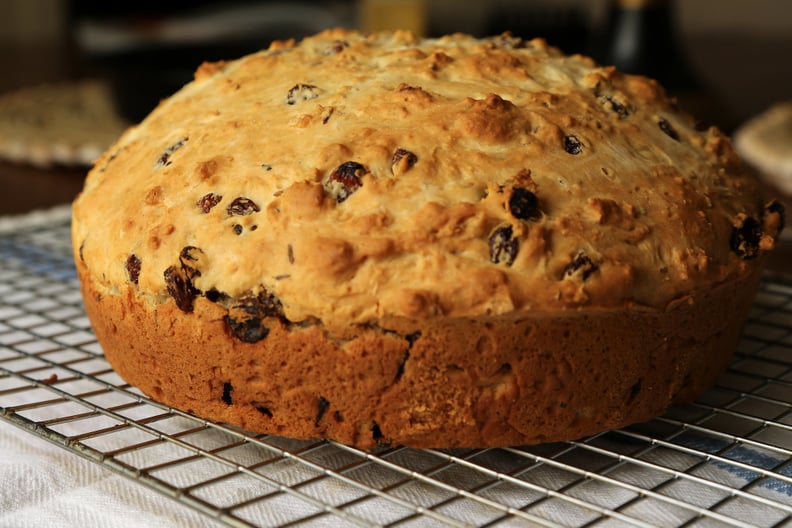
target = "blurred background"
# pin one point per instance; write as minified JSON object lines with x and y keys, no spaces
{"x":76,"y":72}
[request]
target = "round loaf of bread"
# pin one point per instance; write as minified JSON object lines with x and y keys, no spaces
{"x":381,"y":239}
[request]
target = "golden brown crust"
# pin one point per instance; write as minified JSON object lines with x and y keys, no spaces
{"x":288,"y":224}
{"x":437,"y":383}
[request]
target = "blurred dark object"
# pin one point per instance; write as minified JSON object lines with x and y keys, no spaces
{"x":566,"y":28}
{"x":148,"y":50}
{"x":640,"y":37}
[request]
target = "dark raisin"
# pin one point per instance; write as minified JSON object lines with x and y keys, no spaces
{"x":617,"y":107}
{"x":322,"y":405}
{"x":345,"y":180}
{"x":270,"y":304}
{"x":227,"y":390}
{"x":188,"y":257}
{"x":133,"y":268}
{"x":502,"y":247}
{"x":248,"y":329}
{"x":214,"y":295}
{"x":290,"y":253}
{"x":403,"y":159}
{"x":581,"y":266}
{"x":208,"y":201}
{"x":523,"y":204}
{"x":237,"y":229}
{"x":335,"y":47}
{"x":745,"y":239}
{"x":377,"y":436}
{"x":301,"y":92}
{"x":573,"y":145}
{"x":242,"y":206}
{"x":246,"y":317}
{"x":266,"y":167}
{"x":264,"y":410}
{"x":164,"y":158}
{"x":776,"y":207}
{"x":180,"y":288}
{"x":669,"y":130}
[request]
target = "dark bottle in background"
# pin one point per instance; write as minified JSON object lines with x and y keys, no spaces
{"x":640,"y":36}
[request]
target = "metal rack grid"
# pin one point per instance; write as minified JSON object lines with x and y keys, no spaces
{"x":724,"y":461}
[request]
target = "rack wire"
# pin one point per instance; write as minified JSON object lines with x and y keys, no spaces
{"x":725,"y":460}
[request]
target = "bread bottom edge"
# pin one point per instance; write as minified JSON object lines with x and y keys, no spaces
{"x":438,"y":383}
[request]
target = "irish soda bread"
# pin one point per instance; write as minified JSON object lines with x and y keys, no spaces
{"x":454,"y":242}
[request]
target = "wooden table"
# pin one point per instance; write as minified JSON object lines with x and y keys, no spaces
{"x":26,"y":188}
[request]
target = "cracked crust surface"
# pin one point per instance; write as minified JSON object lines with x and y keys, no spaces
{"x":377,"y":238}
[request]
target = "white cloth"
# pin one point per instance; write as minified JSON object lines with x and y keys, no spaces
{"x":43,"y":485}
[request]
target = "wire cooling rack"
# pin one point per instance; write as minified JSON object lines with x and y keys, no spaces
{"x":723,"y":461}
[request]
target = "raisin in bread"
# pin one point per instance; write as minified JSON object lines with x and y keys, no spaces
{"x":380,"y":239}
